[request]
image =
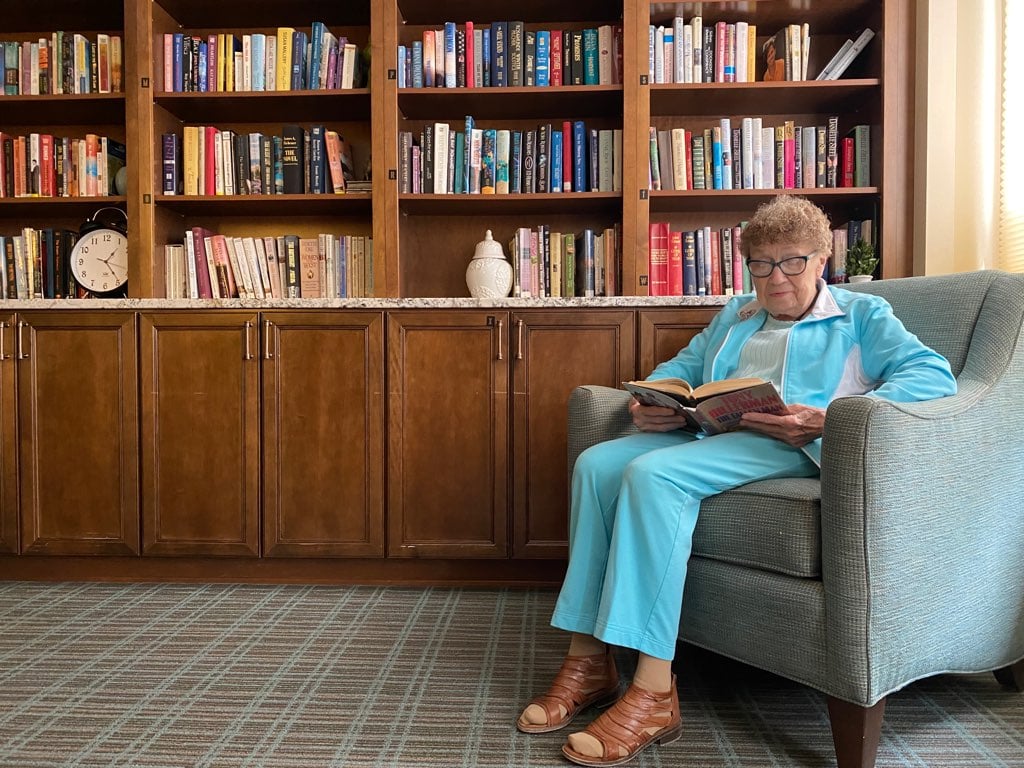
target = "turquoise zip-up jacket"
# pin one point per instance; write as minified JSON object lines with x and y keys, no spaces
{"x":848,"y":344}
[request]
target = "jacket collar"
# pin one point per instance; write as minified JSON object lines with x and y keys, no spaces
{"x":824,"y":305}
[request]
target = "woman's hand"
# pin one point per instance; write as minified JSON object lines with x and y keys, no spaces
{"x":801,"y":425}
{"x":654,"y":418}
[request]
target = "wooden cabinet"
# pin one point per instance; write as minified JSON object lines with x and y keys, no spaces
{"x":448,"y":399}
{"x":200,"y":433}
{"x":8,"y":438}
{"x":323,"y":434}
{"x":663,"y":332}
{"x":552,"y":353}
{"x":77,"y":432}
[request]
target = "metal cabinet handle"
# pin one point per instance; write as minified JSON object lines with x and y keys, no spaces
{"x":501,"y":355}
{"x":266,"y":340}
{"x":3,"y":353}
{"x":22,"y":354}
{"x":248,"y":350}
{"x":519,"y":339}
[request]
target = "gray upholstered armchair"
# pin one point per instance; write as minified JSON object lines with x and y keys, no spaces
{"x":906,"y":559}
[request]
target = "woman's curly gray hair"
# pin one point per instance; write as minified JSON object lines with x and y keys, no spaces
{"x":788,"y":219}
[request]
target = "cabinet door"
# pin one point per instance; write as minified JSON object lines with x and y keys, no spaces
{"x":447,"y":434}
{"x":663,"y":332}
{"x":200,"y":433}
{"x":78,"y":432}
{"x":323,"y":434}
{"x":553,"y":353}
{"x":8,"y":441}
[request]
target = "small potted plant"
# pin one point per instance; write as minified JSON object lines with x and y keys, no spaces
{"x":860,"y":262}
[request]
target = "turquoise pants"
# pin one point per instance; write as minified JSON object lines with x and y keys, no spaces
{"x":634,"y":507}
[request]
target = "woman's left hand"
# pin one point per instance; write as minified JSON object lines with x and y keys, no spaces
{"x":801,"y":425}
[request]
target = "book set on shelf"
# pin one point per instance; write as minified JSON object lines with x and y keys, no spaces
{"x":619,"y":69}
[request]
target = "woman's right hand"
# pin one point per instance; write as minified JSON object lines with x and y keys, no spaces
{"x":654,"y":418}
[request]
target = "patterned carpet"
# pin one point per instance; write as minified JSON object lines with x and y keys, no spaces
{"x":291,"y":676}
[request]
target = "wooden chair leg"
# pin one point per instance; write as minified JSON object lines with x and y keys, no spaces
{"x":1011,"y":676}
{"x":855,"y":732}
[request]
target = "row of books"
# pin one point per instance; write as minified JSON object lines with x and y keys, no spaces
{"x":547,"y":263}
{"x":707,"y":261}
{"x":35,"y":264}
{"x":569,"y":158}
{"x":507,"y":53}
{"x":209,"y":265}
{"x":210,"y":161}
{"x":64,"y":62}
{"x":754,"y":156}
{"x":704,"y":261}
{"x":694,"y":52}
{"x":290,"y":60}
{"x":43,"y":165}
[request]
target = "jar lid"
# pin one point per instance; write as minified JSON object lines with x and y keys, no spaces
{"x":489,"y":248}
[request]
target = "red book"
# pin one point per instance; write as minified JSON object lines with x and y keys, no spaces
{"x":847,"y":163}
{"x":675,"y":263}
{"x":657,"y":254}
{"x":470,"y":56}
{"x":202,"y":264}
{"x":47,"y":176}
{"x":737,"y":262}
{"x":555,"y":70}
{"x":567,"y":157}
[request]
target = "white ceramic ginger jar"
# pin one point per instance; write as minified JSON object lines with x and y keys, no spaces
{"x":489,"y":275}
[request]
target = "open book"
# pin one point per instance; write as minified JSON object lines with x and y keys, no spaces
{"x":714,"y":407}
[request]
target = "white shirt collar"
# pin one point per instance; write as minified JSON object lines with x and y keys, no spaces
{"x":824,"y":305}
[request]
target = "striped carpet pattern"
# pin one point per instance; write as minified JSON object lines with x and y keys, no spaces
{"x":180,"y":676}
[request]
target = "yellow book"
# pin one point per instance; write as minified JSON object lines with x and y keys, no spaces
{"x":221,"y":58}
{"x":229,"y":61}
{"x":751,"y":52}
{"x":190,"y":167}
{"x":284,"y":58}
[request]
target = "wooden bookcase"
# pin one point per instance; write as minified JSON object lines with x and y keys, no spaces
{"x":423,"y":242}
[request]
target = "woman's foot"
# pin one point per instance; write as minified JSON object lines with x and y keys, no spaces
{"x":583,"y":681}
{"x":640,"y":718}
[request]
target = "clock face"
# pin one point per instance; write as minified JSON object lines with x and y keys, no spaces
{"x":99,"y":260}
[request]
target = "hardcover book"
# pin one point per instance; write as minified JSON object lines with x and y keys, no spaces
{"x":711,"y":408}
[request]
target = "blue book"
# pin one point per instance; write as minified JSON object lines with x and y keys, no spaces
{"x":402,"y":56}
{"x":542,"y":62}
{"x":316,"y":47}
{"x":579,"y":157}
{"x":202,"y":68}
{"x":460,"y":163}
{"x":591,"y":73}
{"x":278,"y":155}
{"x":317,"y":160}
{"x":499,"y":53}
{"x":594,"y":160}
{"x":485,"y":57}
{"x":298,"y":61}
{"x":716,"y":157}
{"x":487,"y":161}
{"x":689,"y":263}
{"x":342,"y":261}
{"x":556,"y":161}
{"x":417,"y":64}
{"x":699,"y":259}
{"x":258,"y":52}
{"x":179,"y":80}
{"x":467,"y":158}
{"x":515,"y":164}
{"x":449,"y":55}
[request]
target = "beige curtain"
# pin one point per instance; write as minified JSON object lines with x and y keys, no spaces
{"x":1011,"y":167}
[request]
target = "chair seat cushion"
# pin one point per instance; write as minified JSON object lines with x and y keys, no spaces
{"x":774,"y":525}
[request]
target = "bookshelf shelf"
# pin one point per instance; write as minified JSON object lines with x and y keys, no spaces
{"x":263,"y":106}
{"x":261,"y":205}
{"x":721,"y":200}
{"x":510,"y":103}
{"x":15,"y":208}
{"x":534,"y":204}
{"x":88,"y":108}
{"x":672,"y":99}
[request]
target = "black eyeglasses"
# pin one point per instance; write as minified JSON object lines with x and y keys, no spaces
{"x":795,"y":265}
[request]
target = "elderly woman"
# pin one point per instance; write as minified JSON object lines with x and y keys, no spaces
{"x":635,"y":500}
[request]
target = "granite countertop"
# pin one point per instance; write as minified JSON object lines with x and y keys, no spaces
{"x":417,"y":303}
{"x":381,"y":304}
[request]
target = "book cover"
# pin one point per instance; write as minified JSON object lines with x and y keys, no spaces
{"x":714,"y":407}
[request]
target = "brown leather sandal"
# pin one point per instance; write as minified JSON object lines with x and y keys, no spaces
{"x":640,"y":718}
{"x":572,"y":689}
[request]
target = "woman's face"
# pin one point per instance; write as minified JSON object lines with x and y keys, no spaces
{"x":788,"y":297}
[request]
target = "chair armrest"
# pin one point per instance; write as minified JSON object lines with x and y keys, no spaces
{"x":596,"y":414}
{"x":922,"y":527}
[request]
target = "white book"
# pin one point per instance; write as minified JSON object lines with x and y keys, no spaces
{"x":669,"y":56}
{"x":679,"y":158}
{"x":756,"y":150}
{"x":651,"y":47}
{"x":827,"y":69}
{"x":240,"y":261}
{"x":747,"y":149}
{"x":227,"y":155}
{"x":441,"y":131}
{"x":246,"y":63}
{"x":809,"y":149}
{"x":211,"y":266}
{"x":725,"y":125}
{"x":851,"y":54}
{"x":348,"y":67}
{"x":270,"y":251}
{"x":687,"y":54}
{"x":190,"y":265}
{"x":659,"y":55}
{"x":741,"y":52}
{"x":475,"y":158}
{"x":805,"y":49}
{"x":329,"y":42}
{"x":678,"y":50}
{"x":439,"y":60}
{"x":270,"y":62}
{"x":261,"y":263}
{"x":218,"y":165}
{"x":252,"y":264}
{"x":698,"y":47}
{"x":604,"y":54}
